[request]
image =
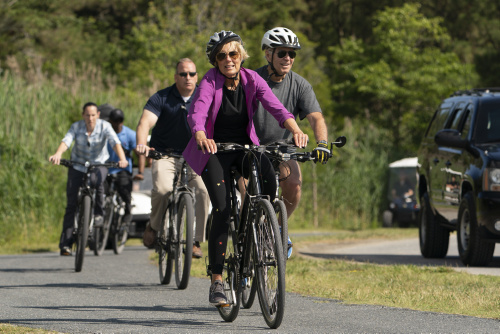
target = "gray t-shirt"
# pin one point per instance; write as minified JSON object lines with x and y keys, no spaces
{"x":298,"y":97}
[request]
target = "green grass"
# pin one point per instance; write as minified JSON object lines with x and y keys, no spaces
{"x":433,"y":289}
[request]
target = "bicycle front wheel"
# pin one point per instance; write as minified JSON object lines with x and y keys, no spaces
{"x":164,"y":249}
{"x":270,"y":265}
{"x":120,"y":233}
{"x":82,"y":232}
{"x":101,"y":234}
{"x":230,"y":280}
{"x":184,"y":243}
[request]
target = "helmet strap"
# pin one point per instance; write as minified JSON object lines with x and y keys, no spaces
{"x":275,"y":73}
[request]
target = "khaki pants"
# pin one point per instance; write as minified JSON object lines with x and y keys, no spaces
{"x":163,"y":173}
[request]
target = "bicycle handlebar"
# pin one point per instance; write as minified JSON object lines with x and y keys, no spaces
{"x":286,"y":150}
{"x":70,"y":163}
{"x":158,"y":155}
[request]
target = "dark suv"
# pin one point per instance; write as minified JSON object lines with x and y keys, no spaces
{"x":459,"y":177}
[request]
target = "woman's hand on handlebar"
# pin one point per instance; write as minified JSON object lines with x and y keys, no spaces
{"x":55,"y":159}
{"x":204,"y":143}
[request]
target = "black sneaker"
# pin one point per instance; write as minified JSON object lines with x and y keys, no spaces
{"x":217,"y":296}
{"x":65,"y":251}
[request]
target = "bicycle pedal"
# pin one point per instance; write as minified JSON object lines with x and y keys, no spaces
{"x":224,"y":305}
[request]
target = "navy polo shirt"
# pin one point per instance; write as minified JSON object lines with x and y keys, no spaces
{"x":171,"y":130}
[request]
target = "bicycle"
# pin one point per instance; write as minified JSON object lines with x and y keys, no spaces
{"x":175,"y":238}
{"x":114,"y":225}
{"x":84,"y":217}
{"x":279,"y":152}
{"x":254,"y":251}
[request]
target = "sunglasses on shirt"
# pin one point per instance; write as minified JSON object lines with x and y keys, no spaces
{"x":283,"y":53}
{"x":185,"y":74}
{"x":223,"y":55}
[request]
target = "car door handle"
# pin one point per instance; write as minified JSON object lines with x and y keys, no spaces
{"x":448,"y":163}
{"x":436,"y":160}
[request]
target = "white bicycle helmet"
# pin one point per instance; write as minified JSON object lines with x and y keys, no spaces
{"x":217,"y":40}
{"x":280,"y":36}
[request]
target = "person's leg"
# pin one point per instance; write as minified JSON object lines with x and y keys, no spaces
{"x":124,"y":187}
{"x":72,"y":186}
{"x":163,"y":173}
{"x":217,"y":181}
{"x":291,"y":185}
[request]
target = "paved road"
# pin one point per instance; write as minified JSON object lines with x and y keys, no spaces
{"x":405,"y":251}
{"x":121,"y":294}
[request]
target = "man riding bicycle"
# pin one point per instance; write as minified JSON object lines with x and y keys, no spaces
{"x":91,"y":135}
{"x":166,"y":113}
{"x":297,"y":95}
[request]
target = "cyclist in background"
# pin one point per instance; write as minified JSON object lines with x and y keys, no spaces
{"x":222,"y":111}
{"x":297,"y":95}
{"x":123,"y":181}
{"x":91,"y":135}
{"x":165,"y":113}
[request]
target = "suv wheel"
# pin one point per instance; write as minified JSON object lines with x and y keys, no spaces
{"x":473,"y":251}
{"x":434,"y":238}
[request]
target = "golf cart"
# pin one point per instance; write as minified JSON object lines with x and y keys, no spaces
{"x":403,"y":207}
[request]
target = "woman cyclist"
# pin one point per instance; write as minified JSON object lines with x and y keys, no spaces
{"x":222,"y":111}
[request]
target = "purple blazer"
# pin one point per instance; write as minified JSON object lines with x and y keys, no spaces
{"x":206,"y":104}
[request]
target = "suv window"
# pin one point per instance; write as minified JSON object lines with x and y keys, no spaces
{"x":457,"y":117}
{"x":440,"y":117}
{"x":488,"y":123}
{"x":467,"y":121}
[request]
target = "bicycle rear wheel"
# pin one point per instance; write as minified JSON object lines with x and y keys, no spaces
{"x":232,"y":288}
{"x":164,"y":249}
{"x":270,"y":265}
{"x":184,"y":244}
{"x":82,"y":232}
{"x":249,"y":284}
{"x":281,"y":215}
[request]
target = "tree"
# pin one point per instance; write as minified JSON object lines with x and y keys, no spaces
{"x":396,"y":79}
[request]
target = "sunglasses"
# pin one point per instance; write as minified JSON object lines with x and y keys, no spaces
{"x":223,"y":55}
{"x":185,"y":74}
{"x":283,"y":53}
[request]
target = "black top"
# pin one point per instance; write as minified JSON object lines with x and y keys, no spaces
{"x":232,"y":119}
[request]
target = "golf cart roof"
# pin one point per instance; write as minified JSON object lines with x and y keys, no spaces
{"x":404,"y":163}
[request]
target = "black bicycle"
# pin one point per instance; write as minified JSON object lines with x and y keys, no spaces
{"x":175,"y":238}
{"x":114,"y":229}
{"x":254,"y":250}
{"x":84,"y":217}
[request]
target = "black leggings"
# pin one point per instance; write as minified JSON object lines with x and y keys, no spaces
{"x":217,"y":178}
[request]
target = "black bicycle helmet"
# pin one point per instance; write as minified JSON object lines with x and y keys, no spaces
{"x":217,"y":40}
{"x":280,"y":37}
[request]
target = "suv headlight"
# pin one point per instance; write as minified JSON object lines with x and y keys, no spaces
{"x":491,"y":179}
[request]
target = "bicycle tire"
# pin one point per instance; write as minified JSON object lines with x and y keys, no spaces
{"x":119,"y":230}
{"x":82,"y":231}
{"x":281,"y":215}
{"x":270,"y":265}
{"x":164,"y":249}
{"x":249,"y":287}
{"x":101,"y":234}
{"x":184,"y":244}
{"x":230,"y":280}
